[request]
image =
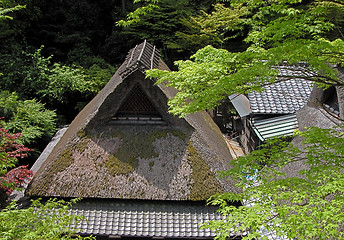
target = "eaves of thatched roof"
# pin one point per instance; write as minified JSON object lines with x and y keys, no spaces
{"x":106,"y":153}
{"x":311,"y":115}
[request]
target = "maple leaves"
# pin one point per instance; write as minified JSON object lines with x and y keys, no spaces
{"x":12,"y":177}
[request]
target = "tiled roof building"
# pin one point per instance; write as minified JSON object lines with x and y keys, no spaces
{"x":272,"y":112}
{"x":127,"y":157}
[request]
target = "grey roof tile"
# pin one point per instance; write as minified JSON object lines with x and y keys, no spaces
{"x":287,"y":95}
{"x":144,"y":218}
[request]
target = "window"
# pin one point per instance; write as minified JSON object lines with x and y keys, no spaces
{"x":137,"y":109}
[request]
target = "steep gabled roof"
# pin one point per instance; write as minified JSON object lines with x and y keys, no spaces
{"x":117,"y":149}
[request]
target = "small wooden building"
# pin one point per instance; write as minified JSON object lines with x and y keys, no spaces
{"x":272,"y":112}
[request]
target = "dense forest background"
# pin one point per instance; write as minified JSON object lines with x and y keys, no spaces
{"x":56,"y":55}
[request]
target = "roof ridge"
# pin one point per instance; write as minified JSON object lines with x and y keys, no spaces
{"x":143,"y":56}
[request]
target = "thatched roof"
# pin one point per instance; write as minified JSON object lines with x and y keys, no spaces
{"x":311,"y":115}
{"x":125,"y":144}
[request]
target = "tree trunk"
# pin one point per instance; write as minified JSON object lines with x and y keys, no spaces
{"x":340,"y":95}
{"x":340,"y":92}
{"x":123,"y":6}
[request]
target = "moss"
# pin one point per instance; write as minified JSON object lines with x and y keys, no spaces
{"x":205,"y":183}
{"x":164,"y":133}
{"x":116,"y":166}
{"x":63,"y":161}
{"x":211,"y":123}
{"x":82,"y":145}
{"x":151,"y":165}
{"x":134,"y":146}
{"x":179,"y":134}
{"x":157,"y":134}
{"x":81,"y":133}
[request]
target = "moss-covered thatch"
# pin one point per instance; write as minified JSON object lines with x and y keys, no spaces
{"x":170,"y":159}
{"x":205,"y":183}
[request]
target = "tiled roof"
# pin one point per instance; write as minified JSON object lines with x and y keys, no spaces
{"x":167,"y":219}
{"x":287,"y":95}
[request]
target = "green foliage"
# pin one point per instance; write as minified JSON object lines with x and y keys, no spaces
{"x":203,"y":82}
{"x":50,"y":220}
{"x":157,"y":21}
{"x":307,"y":205}
{"x":52,"y":82}
{"x":5,"y":9}
{"x":217,"y":28}
{"x":137,"y":14}
{"x":97,"y":76}
{"x":32,"y":75}
{"x":280,"y":34}
{"x":278,"y":21}
{"x":28,"y":117}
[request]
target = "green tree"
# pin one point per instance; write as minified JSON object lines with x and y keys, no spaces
{"x":306,"y":206}
{"x":6,"y":8}
{"x":50,"y":220}
{"x":28,"y":117}
{"x":309,"y":206}
{"x":158,"y":21}
{"x":281,"y":32}
{"x":222,"y":27}
{"x":59,"y":86}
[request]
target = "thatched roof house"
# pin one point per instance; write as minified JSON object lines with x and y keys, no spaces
{"x":324,"y":109}
{"x":125,"y":145}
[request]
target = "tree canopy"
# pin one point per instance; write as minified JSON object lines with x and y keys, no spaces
{"x":42,"y":220}
{"x":308,"y":205}
{"x":285,"y":33}
{"x":4,"y":10}
{"x":281,"y":32}
{"x":27,"y":117}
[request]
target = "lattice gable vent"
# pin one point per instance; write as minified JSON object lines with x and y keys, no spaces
{"x":137,"y":109}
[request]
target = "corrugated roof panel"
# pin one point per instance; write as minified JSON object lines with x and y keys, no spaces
{"x":273,"y":127}
{"x":241,"y":104}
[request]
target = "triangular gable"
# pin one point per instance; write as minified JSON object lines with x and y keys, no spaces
{"x":137,"y":108}
{"x":137,"y":102}
{"x":177,"y":160}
